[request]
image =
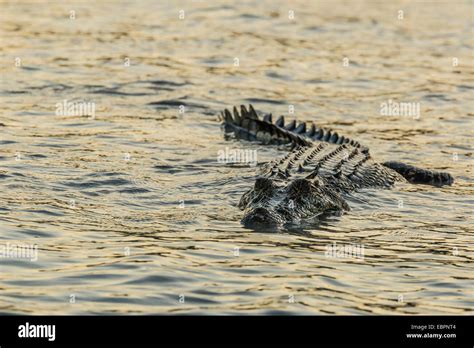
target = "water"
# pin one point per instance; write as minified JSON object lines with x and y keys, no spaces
{"x":131,"y":211}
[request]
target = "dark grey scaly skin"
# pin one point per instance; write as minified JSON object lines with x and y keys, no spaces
{"x":247,"y":125}
{"x":314,"y":177}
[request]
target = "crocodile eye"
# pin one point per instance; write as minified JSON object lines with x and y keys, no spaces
{"x":263,"y":184}
{"x":300,"y":186}
{"x":244,"y":200}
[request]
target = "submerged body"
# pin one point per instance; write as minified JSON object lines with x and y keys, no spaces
{"x":314,"y":178}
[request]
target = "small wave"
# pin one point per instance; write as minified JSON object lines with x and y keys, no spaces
{"x":97,"y":183}
{"x":265,"y":101}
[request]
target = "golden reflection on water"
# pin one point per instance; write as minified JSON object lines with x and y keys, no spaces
{"x":130,"y":208}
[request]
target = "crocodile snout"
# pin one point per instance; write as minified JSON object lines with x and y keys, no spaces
{"x":260,"y":217}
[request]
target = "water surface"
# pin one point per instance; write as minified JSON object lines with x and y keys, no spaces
{"x":131,"y":210}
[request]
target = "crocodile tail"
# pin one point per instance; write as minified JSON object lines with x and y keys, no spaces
{"x":417,"y":175}
{"x":248,"y":125}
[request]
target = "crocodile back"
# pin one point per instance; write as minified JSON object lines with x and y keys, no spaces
{"x":344,"y":166}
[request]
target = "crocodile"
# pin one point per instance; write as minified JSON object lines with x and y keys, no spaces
{"x":318,"y":174}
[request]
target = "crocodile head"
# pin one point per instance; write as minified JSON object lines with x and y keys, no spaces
{"x":275,"y":202}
